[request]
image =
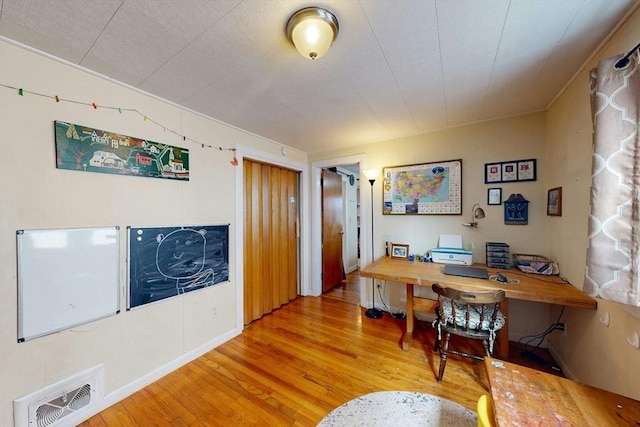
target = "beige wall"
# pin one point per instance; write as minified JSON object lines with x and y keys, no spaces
{"x":515,"y":138}
{"x":590,"y":352}
{"x":561,"y":141}
{"x":135,"y":344}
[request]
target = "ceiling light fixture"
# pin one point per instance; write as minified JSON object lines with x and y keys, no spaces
{"x":312,"y":31}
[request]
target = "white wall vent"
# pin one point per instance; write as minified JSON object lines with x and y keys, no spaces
{"x":62,"y":404}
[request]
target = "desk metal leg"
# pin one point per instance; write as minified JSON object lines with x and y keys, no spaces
{"x":502,"y":341}
{"x":408,"y":336}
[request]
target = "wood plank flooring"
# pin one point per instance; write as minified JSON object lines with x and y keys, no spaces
{"x":295,"y":365}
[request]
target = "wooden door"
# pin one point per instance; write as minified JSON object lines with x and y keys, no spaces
{"x":270,"y":238}
{"x":332,"y":231}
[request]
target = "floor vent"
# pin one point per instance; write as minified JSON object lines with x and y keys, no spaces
{"x":62,"y":404}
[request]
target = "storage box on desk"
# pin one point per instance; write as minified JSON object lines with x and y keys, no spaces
{"x":498,"y":255}
{"x":536,"y":264}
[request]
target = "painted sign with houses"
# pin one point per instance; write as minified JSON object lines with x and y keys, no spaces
{"x":93,"y":150}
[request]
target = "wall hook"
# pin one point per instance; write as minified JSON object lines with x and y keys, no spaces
{"x":605,"y":320}
{"x":634,"y":341}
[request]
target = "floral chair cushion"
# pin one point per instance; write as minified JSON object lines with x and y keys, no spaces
{"x":474,"y":316}
{"x":446,"y":316}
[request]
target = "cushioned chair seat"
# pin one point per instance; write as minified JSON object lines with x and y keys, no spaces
{"x":474,"y":316}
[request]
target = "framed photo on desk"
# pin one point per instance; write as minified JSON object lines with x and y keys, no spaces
{"x":399,"y":250}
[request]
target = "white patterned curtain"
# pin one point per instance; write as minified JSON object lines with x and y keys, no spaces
{"x":613,"y":255}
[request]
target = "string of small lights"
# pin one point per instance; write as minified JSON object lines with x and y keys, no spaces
{"x":22,"y":92}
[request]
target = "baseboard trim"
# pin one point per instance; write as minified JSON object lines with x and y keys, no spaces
{"x":352,"y":268}
{"x":563,"y":366}
{"x":127,"y":390}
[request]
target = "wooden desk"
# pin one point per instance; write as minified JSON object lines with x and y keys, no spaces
{"x":532,"y":287}
{"x":526,"y":397}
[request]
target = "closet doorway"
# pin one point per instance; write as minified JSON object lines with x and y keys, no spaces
{"x":271,"y":245}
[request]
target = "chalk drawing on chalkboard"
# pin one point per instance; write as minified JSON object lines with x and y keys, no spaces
{"x":168,"y":261}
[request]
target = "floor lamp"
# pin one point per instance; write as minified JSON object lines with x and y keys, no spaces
{"x":373,"y":312}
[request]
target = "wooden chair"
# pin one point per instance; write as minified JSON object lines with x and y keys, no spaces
{"x":469,"y":314}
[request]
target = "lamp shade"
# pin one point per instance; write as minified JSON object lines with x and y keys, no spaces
{"x":312,"y":30}
{"x":371,"y":173}
{"x":478,"y":213}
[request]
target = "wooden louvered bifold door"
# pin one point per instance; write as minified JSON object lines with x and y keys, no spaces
{"x":270,"y":238}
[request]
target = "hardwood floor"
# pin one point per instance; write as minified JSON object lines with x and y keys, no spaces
{"x":295,"y":365}
{"x":349,"y":291}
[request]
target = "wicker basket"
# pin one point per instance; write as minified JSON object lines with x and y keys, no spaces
{"x":536,"y":264}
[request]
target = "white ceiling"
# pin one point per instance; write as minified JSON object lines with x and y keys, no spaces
{"x":397,"y":68}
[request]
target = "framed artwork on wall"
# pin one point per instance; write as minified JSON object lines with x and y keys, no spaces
{"x":554,"y":202}
{"x":86,"y":149}
{"x":527,"y":170}
{"x":494,"y":196}
{"x":423,"y":189}
{"x":510,"y":171}
{"x":492,"y":173}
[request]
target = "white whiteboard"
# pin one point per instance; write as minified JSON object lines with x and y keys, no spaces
{"x":66,"y":277}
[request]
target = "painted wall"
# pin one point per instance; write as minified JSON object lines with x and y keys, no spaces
{"x":515,"y":138}
{"x":135,"y":346}
{"x":33,"y":194}
{"x":560,"y":139}
{"x":590,"y":351}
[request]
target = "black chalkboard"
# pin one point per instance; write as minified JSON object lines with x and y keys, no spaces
{"x":168,"y":261}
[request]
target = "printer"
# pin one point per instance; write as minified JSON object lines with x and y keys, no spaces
{"x":450,"y":251}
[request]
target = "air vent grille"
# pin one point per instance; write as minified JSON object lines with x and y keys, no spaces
{"x":62,"y":404}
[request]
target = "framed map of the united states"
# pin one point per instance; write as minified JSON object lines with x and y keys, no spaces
{"x":423,"y":189}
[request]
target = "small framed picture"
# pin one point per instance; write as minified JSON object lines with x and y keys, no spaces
{"x":494,"y":196}
{"x":492,"y":173}
{"x":509,"y":171}
{"x":554,"y":202}
{"x":399,"y":250}
{"x":527,"y":170}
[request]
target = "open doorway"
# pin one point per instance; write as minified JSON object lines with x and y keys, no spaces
{"x":340,"y":233}
{"x":355,"y":241}
{"x":333,"y":234}
{"x":350,"y":215}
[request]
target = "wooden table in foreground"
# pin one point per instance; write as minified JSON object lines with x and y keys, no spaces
{"x":532,"y":287}
{"x":526,"y":397}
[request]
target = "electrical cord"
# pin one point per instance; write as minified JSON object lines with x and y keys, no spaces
{"x":539,"y":277}
{"x":502,"y":279}
{"x":399,"y":315}
{"x":530,"y":352}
